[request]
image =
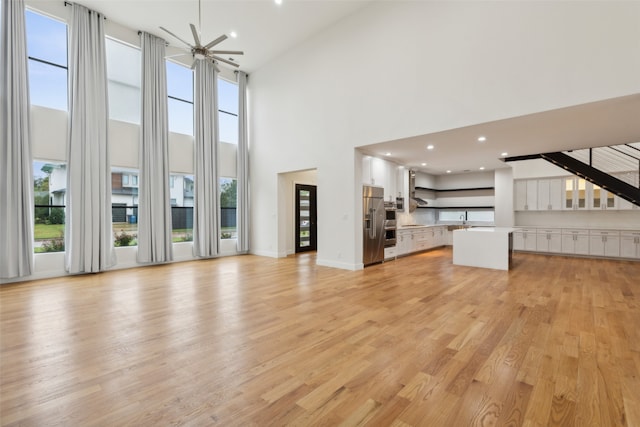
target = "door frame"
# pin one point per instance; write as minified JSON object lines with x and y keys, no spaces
{"x":313,"y":217}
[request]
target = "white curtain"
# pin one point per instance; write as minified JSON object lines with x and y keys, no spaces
{"x":242,"y":210}
{"x":154,"y":199}
{"x":88,"y":236}
{"x":16,"y":169}
{"x":205,"y":204}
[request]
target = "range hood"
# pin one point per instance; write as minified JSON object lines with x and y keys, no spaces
{"x":414,"y":202}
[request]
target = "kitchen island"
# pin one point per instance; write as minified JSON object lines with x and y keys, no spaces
{"x":486,"y":247}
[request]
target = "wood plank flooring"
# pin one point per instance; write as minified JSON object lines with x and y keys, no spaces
{"x":252,"y":341}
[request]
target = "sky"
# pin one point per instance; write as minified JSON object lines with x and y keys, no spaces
{"x":47,"y":41}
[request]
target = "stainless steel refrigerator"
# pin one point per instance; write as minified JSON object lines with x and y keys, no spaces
{"x":373,"y":224}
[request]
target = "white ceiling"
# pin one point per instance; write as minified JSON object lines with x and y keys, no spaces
{"x":609,"y":122}
{"x":267,"y":30}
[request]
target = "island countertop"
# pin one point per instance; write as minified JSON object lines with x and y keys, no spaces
{"x":486,"y":247}
{"x":489,"y":229}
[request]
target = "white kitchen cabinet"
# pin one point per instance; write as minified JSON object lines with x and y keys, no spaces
{"x":601,"y":199}
{"x":382,"y":173}
{"x":575,"y":241}
{"x":526,"y":194}
{"x":403,"y":242}
{"x":548,"y":240}
{"x":630,"y":244}
{"x":550,"y":194}
{"x":423,"y":239}
{"x":524,"y":239}
{"x":625,"y":204}
{"x":440,"y":236}
{"x":604,"y":243}
{"x":574,"y":193}
{"x":390,"y":252}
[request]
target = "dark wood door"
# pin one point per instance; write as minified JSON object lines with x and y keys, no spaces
{"x":306,"y":217}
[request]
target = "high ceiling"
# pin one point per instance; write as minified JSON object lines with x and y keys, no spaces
{"x":264,"y":29}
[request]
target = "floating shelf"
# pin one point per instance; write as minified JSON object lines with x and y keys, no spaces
{"x":456,"y":189}
{"x":456,"y":207}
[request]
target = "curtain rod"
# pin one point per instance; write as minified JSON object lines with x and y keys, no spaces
{"x":66,"y":3}
{"x":166,"y":43}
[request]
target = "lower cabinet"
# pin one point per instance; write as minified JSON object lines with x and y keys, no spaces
{"x":525,"y":239}
{"x":575,"y":241}
{"x":419,"y":239}
{"x":548,"y":240}
{"x":630,"y":244}
{"x":579,"y":241}
{"x":403,"y":242}
{"x":604,"y":243}
{"x":390,"y":252}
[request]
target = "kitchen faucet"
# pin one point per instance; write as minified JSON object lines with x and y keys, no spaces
{"x":462,"y":219}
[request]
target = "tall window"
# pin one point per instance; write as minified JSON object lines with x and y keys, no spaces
{"x":180,"y":94}
{"x":228,"y":203}
{"x":228,"y":111}
{"x":124,"y":206}
{"x":47,"y":51}
{"x":181,"y":191}
{"x":124,"y":75}
{"x":49,"y":185}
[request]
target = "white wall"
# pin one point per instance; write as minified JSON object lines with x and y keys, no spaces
{"x":536,"y":168}
{"x":609,"y":219}
{"x":399,"y":69}
{"x":504,"y":198}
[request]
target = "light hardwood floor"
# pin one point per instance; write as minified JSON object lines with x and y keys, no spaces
{"x":247,"y":340}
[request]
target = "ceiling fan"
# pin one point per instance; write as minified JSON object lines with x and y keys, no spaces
{"x":199,"y":51}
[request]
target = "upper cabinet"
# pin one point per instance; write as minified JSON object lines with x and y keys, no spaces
{"x":381,"y":173}
{"x":526,"y":195}
{"x":567,"y":193}
{"x":601,"y":198}
{"x":550,"y":194}
{"x":574,"y":193}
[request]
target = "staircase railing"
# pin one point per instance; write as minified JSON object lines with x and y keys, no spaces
{"x":621,"y":161}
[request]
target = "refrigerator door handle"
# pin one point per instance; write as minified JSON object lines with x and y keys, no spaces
{"x":373,"y":214}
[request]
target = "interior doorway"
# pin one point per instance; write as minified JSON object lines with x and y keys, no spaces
{"x":306,"y":218}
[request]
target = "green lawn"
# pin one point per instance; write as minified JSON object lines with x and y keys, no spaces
{"x":53,"y":231}
{"x":48,"y":231}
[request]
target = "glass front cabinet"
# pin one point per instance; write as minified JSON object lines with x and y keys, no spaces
{"x":575,"y":193}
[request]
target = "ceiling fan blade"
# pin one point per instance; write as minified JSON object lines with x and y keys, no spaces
{"x":178,"y":54}
{"x":217,"y":58}
{"x":228,"y":52}
{"x":167,"y":31}
{"x":216,"y":41}
{"x":195,"y":35}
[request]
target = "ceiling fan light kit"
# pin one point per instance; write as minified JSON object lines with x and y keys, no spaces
{"x":202,"y":52}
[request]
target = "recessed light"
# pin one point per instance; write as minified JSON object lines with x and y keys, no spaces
{"x":448,"y":171}
{"x":278,"y":2}
{"x":387,"y":154}
{"x":481,"y":168}
{"x":423,"y":164}
{"x":505,"y":154}
{"x":482,"y":138}
{"x":233,"y":34}
{"x":430,"y":147}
